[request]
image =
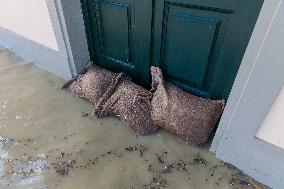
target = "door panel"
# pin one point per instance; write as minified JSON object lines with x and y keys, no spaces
{"x":115,"y":31}
{"x":191,"y":39}
{"x":122,"y":36}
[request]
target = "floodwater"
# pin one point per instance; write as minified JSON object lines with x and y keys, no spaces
{"x":47,"y":142}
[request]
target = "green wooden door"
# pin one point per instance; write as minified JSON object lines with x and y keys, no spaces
{"x":121,"y":36}
{"x":200,"y":44}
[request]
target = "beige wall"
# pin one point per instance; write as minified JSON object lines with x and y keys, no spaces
{"x":30,"y":19}
{"x":272,"y":129}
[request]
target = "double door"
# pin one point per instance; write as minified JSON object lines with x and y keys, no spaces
{"x":199,"y":44}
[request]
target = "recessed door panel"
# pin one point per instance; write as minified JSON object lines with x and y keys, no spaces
{"x":197,"y":44}
{"x":115,"y":30}
{"x":191,"y":38}
{"x":121,"y":32}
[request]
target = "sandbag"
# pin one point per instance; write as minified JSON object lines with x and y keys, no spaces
{"x":131,"y":103}
{"x":182,"y":113}
{"x":93,"y":84}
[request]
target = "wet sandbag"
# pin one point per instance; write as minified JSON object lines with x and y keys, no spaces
{"x":93,"y":84}
{"x":131,"y":103}
{"x":182,"y":113}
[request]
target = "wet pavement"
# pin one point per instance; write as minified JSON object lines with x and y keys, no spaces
{"x":47,"y":142}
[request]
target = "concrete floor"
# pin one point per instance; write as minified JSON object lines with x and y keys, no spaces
{"x":46,"y":142}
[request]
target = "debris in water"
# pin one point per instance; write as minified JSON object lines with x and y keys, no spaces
{"x":199,"y":160}
{"x":160,"y":158}
{"x":168,"y":169}
{"x":130,"y":148}
{"x":138,"y":147}
{"x":85,"y":114}
{"x":141,"y":153}
{"x":157,"y":182}
{"x":63,"y":168}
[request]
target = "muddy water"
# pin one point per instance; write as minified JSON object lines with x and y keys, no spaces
{"x":47,"y":142}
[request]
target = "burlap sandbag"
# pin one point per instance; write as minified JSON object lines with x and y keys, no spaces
{"x":182,"y":113}
{"x":131,"y":103}
{"x":93,"y":84}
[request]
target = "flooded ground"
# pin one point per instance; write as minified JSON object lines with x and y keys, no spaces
{"x":47,"y":142}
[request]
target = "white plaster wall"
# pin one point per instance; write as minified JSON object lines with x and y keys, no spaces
{"x":272,"y":129}
{"x":259,"y":81}
{"x":30,"y":19}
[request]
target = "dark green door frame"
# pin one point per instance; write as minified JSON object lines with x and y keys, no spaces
{"x":84,"y":7}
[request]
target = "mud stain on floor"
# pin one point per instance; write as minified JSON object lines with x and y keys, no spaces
{"x":48,"y":142}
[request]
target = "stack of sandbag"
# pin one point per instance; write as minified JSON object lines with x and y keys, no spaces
{"x":131,"y":103}
{"x":182,"y":113}
{"x":144,"y":111}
